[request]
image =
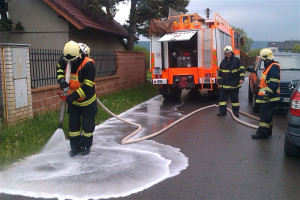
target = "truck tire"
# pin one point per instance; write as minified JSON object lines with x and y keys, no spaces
{"x":169,"y":92}
{"x":177,"y":92}
{"x":290,"y":149}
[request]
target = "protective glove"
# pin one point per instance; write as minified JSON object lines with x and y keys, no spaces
{"x":62,"y":97}
{"x":70,"y":99}
{"x":63,"y":84}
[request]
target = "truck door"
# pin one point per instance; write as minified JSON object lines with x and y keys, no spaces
{"x":156,"y":52}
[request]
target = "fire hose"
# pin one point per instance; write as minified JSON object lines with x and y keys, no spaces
{"x":128,"y":139}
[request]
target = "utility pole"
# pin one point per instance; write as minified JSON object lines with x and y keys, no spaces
{"x":207,"y":13}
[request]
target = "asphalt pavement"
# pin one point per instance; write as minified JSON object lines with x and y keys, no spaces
{"x":224,"y":162}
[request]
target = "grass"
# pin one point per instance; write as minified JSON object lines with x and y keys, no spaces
{"x":149,"y":75}
{"x":26,"y":138}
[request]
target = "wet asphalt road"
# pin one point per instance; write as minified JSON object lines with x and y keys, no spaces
{"x":224,"y":162}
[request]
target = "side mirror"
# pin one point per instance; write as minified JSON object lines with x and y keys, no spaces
{"x":251,"y":69}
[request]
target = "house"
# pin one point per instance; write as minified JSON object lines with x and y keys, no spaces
{"x":49,"y":24}
{"x":286,"y":46}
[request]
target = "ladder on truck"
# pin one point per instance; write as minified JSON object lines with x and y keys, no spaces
{"x":207,"y":56}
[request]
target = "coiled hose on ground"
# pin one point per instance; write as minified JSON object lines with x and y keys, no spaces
{"x":128,"y":139}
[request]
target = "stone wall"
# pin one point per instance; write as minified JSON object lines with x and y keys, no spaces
{"x":130,"y":73}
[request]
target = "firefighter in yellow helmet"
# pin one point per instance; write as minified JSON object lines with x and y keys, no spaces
{"x":81,"y":99}
{"x":268,"y":94}
{"x":231,"y":75}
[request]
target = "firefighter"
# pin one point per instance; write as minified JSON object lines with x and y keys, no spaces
{"x":268,"y":94}
{"x":81,"y":99}
{"x":231,"y":75}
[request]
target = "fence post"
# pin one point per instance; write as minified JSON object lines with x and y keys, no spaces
{"x":16,"y":84}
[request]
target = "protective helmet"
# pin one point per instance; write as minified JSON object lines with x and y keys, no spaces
{"x":228,"y":49}
{"x":84,"y":48}
{"x":71,"y":51}
{"x":266,"y":54}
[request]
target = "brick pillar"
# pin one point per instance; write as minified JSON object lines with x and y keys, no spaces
{"x":17,"y":98}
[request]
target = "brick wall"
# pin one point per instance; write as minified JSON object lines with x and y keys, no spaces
{"x":130,"y":73}
{"x":16,"y":111}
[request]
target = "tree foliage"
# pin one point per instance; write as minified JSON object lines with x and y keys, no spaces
{"x":253,"y":52}
{"x":247,"y":40}
{"x":156,"y":9}
{"x":141,"y":13}
{"x":107,"y":8}
{"x":296,"y":48}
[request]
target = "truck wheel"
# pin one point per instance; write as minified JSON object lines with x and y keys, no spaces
{"x":249,"y":94}
{"x":254,"y":104}
{"x":290,"y":150}
{"x":177,"y":92}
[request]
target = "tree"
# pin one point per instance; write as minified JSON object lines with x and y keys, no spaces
{"x":141,"y":13}
{"x":253,"y":52}
{"x":247,"y":40}
{"x":156,"y":9}
{"x":296,"y":48}
{"x":110,"y":7}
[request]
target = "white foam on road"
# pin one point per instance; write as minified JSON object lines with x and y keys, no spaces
{"x":110,"y":170}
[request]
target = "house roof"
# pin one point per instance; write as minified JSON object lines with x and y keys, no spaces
{"x":78,"y":15}
{"x":283,"y":45}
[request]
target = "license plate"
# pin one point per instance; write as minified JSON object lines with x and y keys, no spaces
{"x":286,"y":99}
{"x":206,"y":80}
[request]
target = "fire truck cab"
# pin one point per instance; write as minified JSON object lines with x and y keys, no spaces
{"x":186,"y":51}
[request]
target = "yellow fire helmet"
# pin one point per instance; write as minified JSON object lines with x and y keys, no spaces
{"x":85,"y":49}
{"x":228,"y":49}
{"x":266,"y":54}
{"x":71,"y":51}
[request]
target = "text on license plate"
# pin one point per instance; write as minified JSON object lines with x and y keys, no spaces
{"x":159,"y":81}
{"x":286,"y":99}
{"x":206,"y":80}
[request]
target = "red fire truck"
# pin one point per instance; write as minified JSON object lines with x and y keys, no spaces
{"x":186,"y":51}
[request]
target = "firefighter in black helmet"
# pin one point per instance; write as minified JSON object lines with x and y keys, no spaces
{"x":82,"y":105}
{"x":231,"y":75}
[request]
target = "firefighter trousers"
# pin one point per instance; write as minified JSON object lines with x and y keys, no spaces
{"x":265,"y":124}
{"x":234,"y":95}
{"x":85,"y":116}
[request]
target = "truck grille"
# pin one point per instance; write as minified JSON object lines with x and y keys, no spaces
{"x":284,"y":89}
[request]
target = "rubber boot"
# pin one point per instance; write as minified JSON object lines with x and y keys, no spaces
{"x":75,"y":143}
{"x":236,"y":114}
{"x":260,"y":135}
{"x":221,"y":114}
{"x":86,"y":145}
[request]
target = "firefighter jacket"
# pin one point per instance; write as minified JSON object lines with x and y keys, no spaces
{"x":269,"y":87}
{"x":81,"y":85}
{"x":230,"y":73}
